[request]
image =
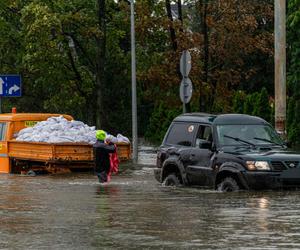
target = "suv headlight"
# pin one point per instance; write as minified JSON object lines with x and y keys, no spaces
{"x":258,"y":165}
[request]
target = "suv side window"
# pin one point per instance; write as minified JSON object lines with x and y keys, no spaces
{"x":204,"y":134}
{"x":181,"y":134}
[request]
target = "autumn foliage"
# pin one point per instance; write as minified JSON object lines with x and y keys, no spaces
{"x":74,"y":56}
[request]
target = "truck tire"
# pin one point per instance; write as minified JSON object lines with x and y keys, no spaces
{"x":31,"y":173}
{"x":228,"y":184}
{"x":171,"y":180}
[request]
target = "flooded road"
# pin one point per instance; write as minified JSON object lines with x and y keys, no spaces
{"x":134,"y":212}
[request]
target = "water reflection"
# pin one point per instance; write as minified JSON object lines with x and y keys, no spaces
{"x":263,"y":203}
{"x":189,"y":218}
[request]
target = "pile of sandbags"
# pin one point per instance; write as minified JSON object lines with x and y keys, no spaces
{"x":58,"y":129}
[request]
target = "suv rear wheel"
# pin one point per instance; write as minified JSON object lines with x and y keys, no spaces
{"x":171,"y":180}
{"x":228,"y":184}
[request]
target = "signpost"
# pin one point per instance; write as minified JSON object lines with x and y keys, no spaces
{"x":133,"y":86}
{"x":10,"y":86}
{"x":186,"y":86}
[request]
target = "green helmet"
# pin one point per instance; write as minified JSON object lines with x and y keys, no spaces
{"x":100,"y":135}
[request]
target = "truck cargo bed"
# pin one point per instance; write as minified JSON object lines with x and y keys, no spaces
{"x":58,"y":152}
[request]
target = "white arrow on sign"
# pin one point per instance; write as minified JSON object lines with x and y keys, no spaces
{"x":1,"y":86}
{"x":13,"y":89}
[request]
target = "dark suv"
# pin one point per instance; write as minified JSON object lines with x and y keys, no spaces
{"x":225,"y":152}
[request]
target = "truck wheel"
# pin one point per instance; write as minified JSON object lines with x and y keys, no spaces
{"x":171,"y":180}
{"x":228,"y":184}
{"x":31,"y":173}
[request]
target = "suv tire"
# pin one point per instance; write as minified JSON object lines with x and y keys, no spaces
{"x":228,"y":184}
{"x":171,"y":180}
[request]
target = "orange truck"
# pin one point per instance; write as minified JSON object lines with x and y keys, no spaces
{"x":20,"y":156}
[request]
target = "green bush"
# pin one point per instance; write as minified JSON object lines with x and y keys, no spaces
{"x":160,"y":121}
{"x":253,"y":104}
{"x":294,"y":128}
{"x":250,"y":103}
{"x":261,"y":105}
{"x":238,"y":102}
{"x":290,"y":113}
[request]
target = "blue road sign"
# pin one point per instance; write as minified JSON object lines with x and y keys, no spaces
{"x":10,"y":86}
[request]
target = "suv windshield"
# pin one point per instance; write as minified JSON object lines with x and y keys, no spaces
{"x":253,"y":134}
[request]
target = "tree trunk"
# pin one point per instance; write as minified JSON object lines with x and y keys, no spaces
{"x":172,"y":30}
{"x":206,"y":43}
{"x":204,"y":30}
{"x":206,"y":56}
{"x":180,"y":11}
{"x":100,"y":64}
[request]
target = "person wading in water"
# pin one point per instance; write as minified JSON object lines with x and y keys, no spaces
{"x":102,"y":150}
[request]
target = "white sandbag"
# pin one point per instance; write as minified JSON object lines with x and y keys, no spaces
{"x":111,"y":138}
{"x":25,"y":130}
{"x":122,"y":138}
{"x":58,"y":129}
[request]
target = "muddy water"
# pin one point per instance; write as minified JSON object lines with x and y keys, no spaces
{"x":134,"y":212}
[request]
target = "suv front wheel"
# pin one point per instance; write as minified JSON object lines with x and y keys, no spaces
{"x":171,"y":180}
{"x":228,"y":184}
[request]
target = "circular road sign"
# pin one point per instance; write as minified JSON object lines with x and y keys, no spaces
{"x":185,"y":63}
{"x":186,"y":90}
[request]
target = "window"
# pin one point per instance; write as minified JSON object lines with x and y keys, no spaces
{"x":204,"y":134}
{"x":181,"y":134}
{"x":2,"y":131}
{"x":255,"y":134}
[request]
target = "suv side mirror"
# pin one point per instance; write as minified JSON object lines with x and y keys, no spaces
{"x":205,"y":144}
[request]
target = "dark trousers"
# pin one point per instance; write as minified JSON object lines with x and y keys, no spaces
{"x":102,"y":176}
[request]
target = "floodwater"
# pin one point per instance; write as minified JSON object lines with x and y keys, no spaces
{"x":134,"y":212}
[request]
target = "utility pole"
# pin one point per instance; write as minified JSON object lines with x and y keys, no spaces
{"x":280,"y":66}
{"x":133,"y":87}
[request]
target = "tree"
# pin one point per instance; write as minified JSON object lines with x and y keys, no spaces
{"x":60,"y":48}
{"x":293,"y":23}
{"x":55,"y":72}
{"x":238,"y":102}
{"x":11,"y":36}
{"x":262,"y":107}
{"x":74,"y":56}
{"x":100,"y":62}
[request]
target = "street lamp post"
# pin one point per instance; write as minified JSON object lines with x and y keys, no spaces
{"x":133,"y":87}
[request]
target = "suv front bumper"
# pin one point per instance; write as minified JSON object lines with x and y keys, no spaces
{"x":273,"y":180}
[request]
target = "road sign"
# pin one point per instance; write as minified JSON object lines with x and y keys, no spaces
{"x":186,"y":90}
{"x":185,"y":63}
{"x":10,"y":86}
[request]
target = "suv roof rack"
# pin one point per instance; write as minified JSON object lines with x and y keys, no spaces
{"x":196,"y":117}
{"x":199,"y":114}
